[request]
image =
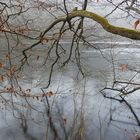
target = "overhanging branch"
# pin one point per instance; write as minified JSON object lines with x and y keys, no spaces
{"x":125,"y":32}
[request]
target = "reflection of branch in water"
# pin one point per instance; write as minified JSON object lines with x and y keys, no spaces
{"x":122,"y":100}
{"x":124,"y":122}
{"x":50,"y":121}
{"x":132,"y":110}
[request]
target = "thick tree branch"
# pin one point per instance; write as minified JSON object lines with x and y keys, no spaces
{"x":125,"y":32}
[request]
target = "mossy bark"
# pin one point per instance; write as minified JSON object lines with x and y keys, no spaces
{"x":125,"y":32}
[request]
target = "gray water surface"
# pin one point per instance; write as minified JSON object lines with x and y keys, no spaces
{"x":76,"y":98}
